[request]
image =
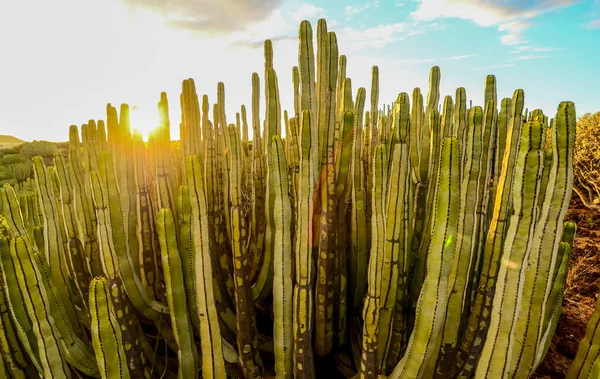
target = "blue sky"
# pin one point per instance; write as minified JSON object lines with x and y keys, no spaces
{"x":62,"y":63}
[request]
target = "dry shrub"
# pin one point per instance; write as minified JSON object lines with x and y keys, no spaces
{"x":587,"y":160}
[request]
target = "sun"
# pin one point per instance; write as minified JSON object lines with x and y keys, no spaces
{"x":144,"y":119}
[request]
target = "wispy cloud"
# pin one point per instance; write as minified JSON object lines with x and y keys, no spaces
{"x":514,"y":32}
{"x":351,"y":10}
{"x":533,"y":49}
{"x":429,"y":60}
{"x":255,"y":44}
{"x":530,"y":57}
{"x":379,"y":36}
{"x":594,"y":24}
{"x":511,"y":17}
{"x":494,"y":67}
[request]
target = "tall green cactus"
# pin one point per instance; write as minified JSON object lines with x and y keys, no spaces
{"x":409,"y":240}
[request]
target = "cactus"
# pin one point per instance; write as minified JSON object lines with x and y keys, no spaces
{"x":408,"y":240}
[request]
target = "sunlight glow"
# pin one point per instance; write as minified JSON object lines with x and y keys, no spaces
{"x":143,"y":119}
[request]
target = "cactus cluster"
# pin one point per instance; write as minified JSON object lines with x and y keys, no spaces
{"x":410,"y":240}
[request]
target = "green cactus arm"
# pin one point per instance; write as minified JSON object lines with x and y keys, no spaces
{"x":53,"y":242}
{"x":326,"y":218}
{"x":163,"y":158}
{"x":138,"y":351}
{"x":504,"y":119}
{"x":13,"y":352}
{"x":245,"y":313}
{"x":490,"y":92}
{"x":307,"y":93}
{"x":478,"y":323}
{"x":66,"y":196}
{"x":546,"y":240}
{"x":106,"y":246}
{"x":303,"y":250}
{"x":374,"y":95}
{"x":264,"y":282}
{"x":84,"y":207}
{"x":273,"y":107}
{"x":376,"y":283}
{"x":258,"y":224}
{"x":545,"y":176}
{"x":325,"y":59}
{"x":213,"y":365}
{"x":72,"y":341}
{"x":187,"y":252}
{"x":282,"y":256}
{"x":423,"y":345}
{"x":466,"y":241}
{"x":498,"y":344}
{"x":16,"y":306}
{"x":176,"y":296}
{"x":359,"y":244}
{"x":555,"y":301}
{"x":10,"y":209}
{"x":106,"y":337}
{"x":397,"y":250}
{"x":140,"y":298}
{"x":145,"y":228}
{"x":416,"y":124}
{"x":586,"y":359}
{"x":447,"y":116}
{"x":429,"y":131}
{"x":190,"y":118}
{"x":490,"y":126}
{"x":52,"y":356}
{"x":399,"y":332}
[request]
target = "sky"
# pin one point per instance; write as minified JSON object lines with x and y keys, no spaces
{"x":62,"y":61}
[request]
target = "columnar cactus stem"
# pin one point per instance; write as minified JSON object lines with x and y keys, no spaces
{"x":327,"y":194}
{"x":303,"y":287}
{"x":52,"y":356}
{"x":106,"y":336}
{"x":245,"y":314}
{"x":283,"y":275}
{"x":359,"y":243}
{"x":213,"y":365}
{"x":498,"y":344}
{"x":545,"y":243}
{"x":176,"y":296}
{"x":258,"y":225}
{"x":478,"y":323}
{"x":16,"y":306}
{"x":378,"y":284}
{"x":424,"y":343}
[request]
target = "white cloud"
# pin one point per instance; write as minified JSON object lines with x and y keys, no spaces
{"x":209,"y":16}
{"x":306,"y":11}
{"x":510,"y":16}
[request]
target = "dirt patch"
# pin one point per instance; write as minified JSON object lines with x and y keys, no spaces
{"x":581,"y":292}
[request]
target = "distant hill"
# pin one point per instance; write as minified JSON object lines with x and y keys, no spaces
{"x":9,"y":141}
